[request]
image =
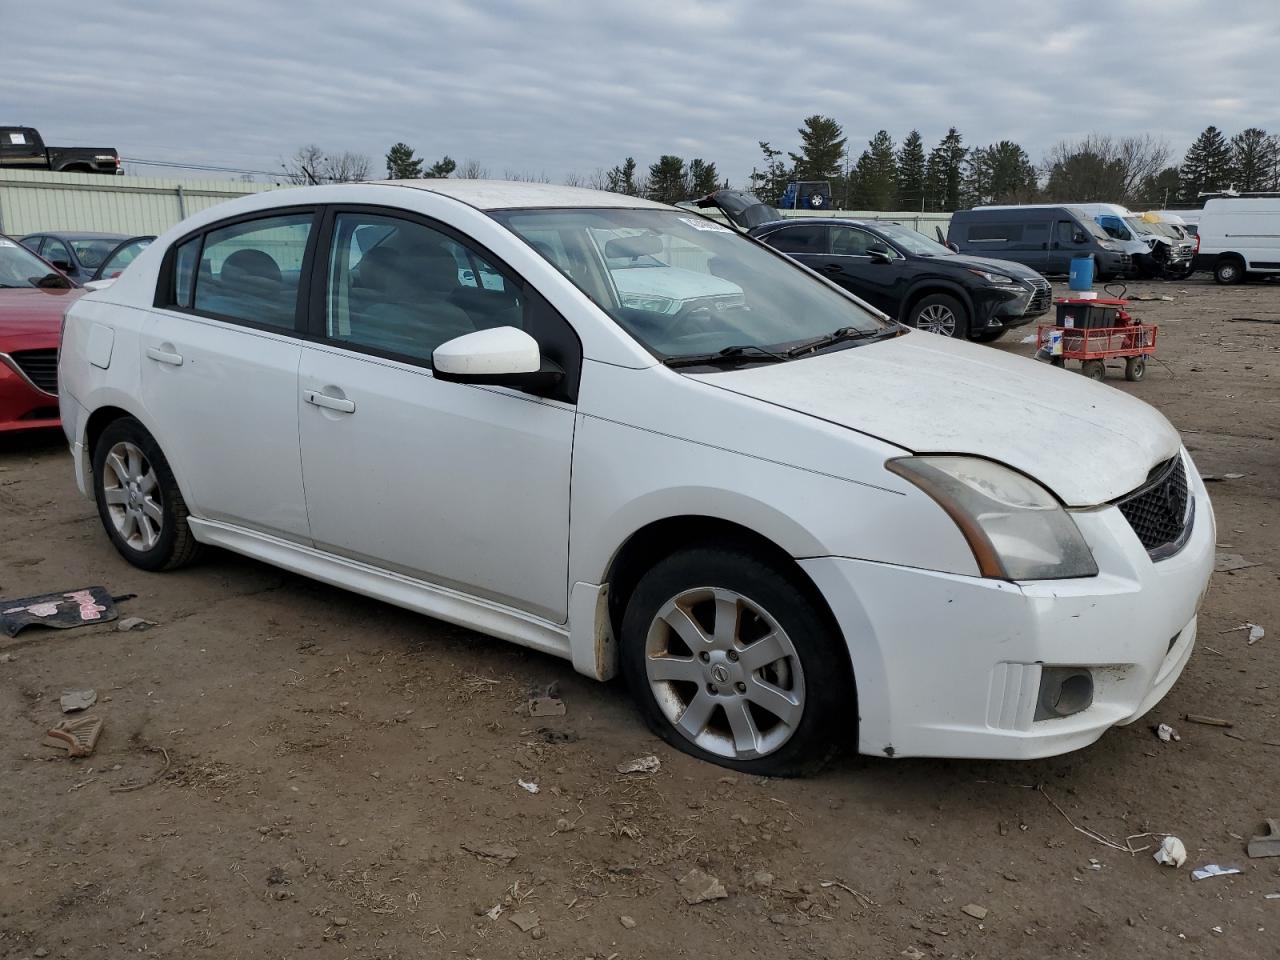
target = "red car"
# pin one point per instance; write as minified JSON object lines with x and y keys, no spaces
{"x":33,"y":298}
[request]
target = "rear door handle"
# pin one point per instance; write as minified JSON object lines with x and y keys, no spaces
{"x":830,"y":268}
{"x":341,"y":404}
{"x":164,"y":356}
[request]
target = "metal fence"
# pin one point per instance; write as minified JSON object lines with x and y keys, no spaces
{"x":37,"y":200}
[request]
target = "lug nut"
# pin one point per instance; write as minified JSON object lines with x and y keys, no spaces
{"x":711,"y":688}
{"x":740,"y":687}
{"x":704,"y":657}
{"x":733,"y":655}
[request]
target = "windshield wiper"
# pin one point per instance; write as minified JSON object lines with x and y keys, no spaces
{"x":839,"y":336}
{"x":739,"y":353}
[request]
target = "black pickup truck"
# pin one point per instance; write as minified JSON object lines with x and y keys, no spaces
{"x":22,"y":148}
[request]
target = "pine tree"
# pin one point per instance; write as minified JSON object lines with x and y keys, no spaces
{"x":667,"y":180}
{"x":944,"y":172}
{"x":911,"y":172}
{"x":623,"y":179}
{"x":441,"y":168}
{"x":877,"y":172}
{"x":703,"y":178}
{"x":1207,"y":165}
{"x":822,"y":143}
{"x":999,"y":173}
{"x":1254,"y":157}
{"x":770,"y":184}
{"x":402,"y":164}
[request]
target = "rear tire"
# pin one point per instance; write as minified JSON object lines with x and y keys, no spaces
{"x":1094,"y":369}
{"x":1228,"y":272}
{"x":1135,"y":368}
{"x":730,"y":660}
{"x":942,"y":314}
{"x":139,"y":502}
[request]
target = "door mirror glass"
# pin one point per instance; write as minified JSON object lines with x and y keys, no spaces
{"x":501,"y":355}
{"x":879,"y":253}
{"x":1079,"y":237}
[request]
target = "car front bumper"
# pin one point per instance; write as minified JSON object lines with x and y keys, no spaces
{"x":950,"y":666}
{"x":23,"y":406}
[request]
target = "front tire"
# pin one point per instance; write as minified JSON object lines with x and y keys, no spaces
{"x":1228,"y":272}
{"x":942,"y":314}
{"x":730,"y":660}
{"x":138,"y":499}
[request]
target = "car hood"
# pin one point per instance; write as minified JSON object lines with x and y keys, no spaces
{"x":1087,"y":442}
{"x":962,"y":261}
{"x":27,"y":311}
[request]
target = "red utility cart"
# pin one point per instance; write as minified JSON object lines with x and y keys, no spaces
{"x":1094,"y":331}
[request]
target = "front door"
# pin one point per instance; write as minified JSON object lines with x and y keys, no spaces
{"x":850,"y":264}
{"x":1064,"y":245}
{"x":464,"y":486}
{"x":220,"y":373}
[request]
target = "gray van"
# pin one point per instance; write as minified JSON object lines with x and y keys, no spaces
{"x":1041,"y":237}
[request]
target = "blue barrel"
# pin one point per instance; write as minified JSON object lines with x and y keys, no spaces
{"x":1081,"y":276}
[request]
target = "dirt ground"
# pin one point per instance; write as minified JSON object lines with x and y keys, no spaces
{"x":291,"y":770}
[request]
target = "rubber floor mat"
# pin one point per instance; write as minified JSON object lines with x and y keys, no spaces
{"x":70,"y":608}
{"x":78,"y":737}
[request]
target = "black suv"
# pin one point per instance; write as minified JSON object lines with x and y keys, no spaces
{"x":900,"y":272}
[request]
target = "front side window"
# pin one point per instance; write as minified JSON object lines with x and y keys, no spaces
{"x":684,"y":285}
{"x":912,"y":241}
{"x":19,"y":267}
{"x":400,"y":287}
{"x":91,"y":251}
{"x":848,"y":242}
{"x":994,"y":232}
{"x":124,"y":255}
{"x":56,"y":252}
{"x":250,"y":271}
{"x":806,"y":239}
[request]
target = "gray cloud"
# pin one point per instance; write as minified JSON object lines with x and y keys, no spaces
{"x":575,"y":85}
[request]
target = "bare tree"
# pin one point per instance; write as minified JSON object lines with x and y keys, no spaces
{"x":311,"y":164}
{"x":304,"y":166}
{"x":346,"y":167}
{"x":1102,"y":167}
{"x":525,"y":177}
{"x":472,"y":169}
{"x":574,"y":180}
{"x":599,"y":179}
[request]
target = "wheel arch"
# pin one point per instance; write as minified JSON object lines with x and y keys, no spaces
{"x":928,"y":287}
{"x":75,"y":167}
{"x":113,"y":408}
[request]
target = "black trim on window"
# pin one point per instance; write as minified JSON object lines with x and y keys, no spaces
{"x":557,"y":338}
{"x":166,"y":292}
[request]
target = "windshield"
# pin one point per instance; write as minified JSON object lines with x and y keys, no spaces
{"x":703,"y":287}
{"x":913,"y":242}
{"x":1140,"y":228}
{"x":1091,"y":225}
{"x":91,"y":251}
{"x":19,"y":267}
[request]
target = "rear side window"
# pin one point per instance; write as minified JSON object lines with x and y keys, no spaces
{"x":806,"y":239}
{"x":184,"y":272}
{"x":250,"y":271}
{"x":994,"y":232}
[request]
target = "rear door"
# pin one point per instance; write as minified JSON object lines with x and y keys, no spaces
{"x":220,"y":370}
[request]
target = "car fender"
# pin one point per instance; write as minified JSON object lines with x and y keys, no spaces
{"x":924,"y":286}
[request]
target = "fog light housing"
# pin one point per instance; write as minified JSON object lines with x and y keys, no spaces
{"x":1063,"y":691}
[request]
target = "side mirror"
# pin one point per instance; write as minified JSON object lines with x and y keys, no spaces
{"x":1079,"y":237}
{"x":506,"y":356}
{"x":62,"y":265}
{"x":879,"y":254}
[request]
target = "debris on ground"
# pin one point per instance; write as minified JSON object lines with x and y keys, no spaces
{"x":911,"y":953}
{"x":1229,"y":562}
{"x":78,"y":737}
{"x":73,"y":701}
{"x":1256,"y":632}
{"x":498,"y":853}
{"x":1213,"y":870}
{"x":494,"y":912}
{"x":975,"y":911}
{"x":546,"y":707}
{"x":529,"y":785}
{"x":135,"y":623}
{"x":1266,"y":844}
{"x":760,"y":880}
{"x":7,"y":658}
{"x":1151,"y":296}
{"x":627,"y":922}
{"x":1252,"y":320}
{"x":1166,"y":732}
{"x":649,"y":764}
{"x":1206,"y":721}
{"x":526,"y":920}
{"x":698,"y":886}
{"x":1172,"y":852}
{"x":63,"y":610}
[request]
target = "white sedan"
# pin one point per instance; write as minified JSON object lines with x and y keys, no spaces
{"x":787,"y":521}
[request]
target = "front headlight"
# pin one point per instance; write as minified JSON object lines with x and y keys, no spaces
{"x":991,"y":277}
{"x":648,"y":302}
{"x":1014,"y":526}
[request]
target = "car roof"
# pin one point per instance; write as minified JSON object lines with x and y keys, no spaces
{"x":78,"y":235}
{"x":509,"y":195}
{"x":819,"y":221}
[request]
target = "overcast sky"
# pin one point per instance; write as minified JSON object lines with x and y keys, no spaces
{"x":565,"y":86}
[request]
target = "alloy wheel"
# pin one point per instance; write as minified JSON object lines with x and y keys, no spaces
{"x":724,"y":673}
{"x":937,"y":318}
{"x":131,"y":490}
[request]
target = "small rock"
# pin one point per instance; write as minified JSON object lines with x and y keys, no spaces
{"x":134,"y":623}
{"x":564,"y":825}
{"x":649,"y":764}
{"x":538,"y":933}
{"x":340,"y":921}
{"x":526,"y":920}
{"x":1011,"y":877}
{"x":529,"y":786}
{"x":975,"y":911}
{"x":42,"y":951}
{"x":343,"y":842}
{"x":698,"y":886}
{"x":546,"y":707}
{"x":760,"y":880}
{"x":627,"y":922}
{"x":277,"y":876}
{"x":76,"y":700}
{"x":7,"y":658}
{"x":911,"y":953}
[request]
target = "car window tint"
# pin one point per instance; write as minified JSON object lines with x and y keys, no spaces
{"x":123,"y":256}
{"x":55,"y":251}
{"x":32,"y":243}
{"x":249,"y":271}
{"x":401,"y":287}
{"x":1067,"y":231}
{"x":92,"y":251}
{"x":848,"y":242}
{"x":1035,"y":232}
{"x":806,"y":239}
{"x":184,"y":272}
{"x":994,"y":232}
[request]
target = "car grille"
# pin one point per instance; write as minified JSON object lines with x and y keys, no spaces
{"x":39,"y":366}
{"x":1161,"y":511}
{"x":1041,"y":295}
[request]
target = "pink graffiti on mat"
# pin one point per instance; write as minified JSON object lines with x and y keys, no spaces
{"x":46,"y":609}
{"x":90,"y":609}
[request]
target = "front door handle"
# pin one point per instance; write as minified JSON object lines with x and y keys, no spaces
{"x":341,"y":404}
{"x":830,"y":268}
{"x":164,"y":356}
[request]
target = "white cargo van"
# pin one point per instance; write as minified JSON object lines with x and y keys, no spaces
{"x":1240,"y":238}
